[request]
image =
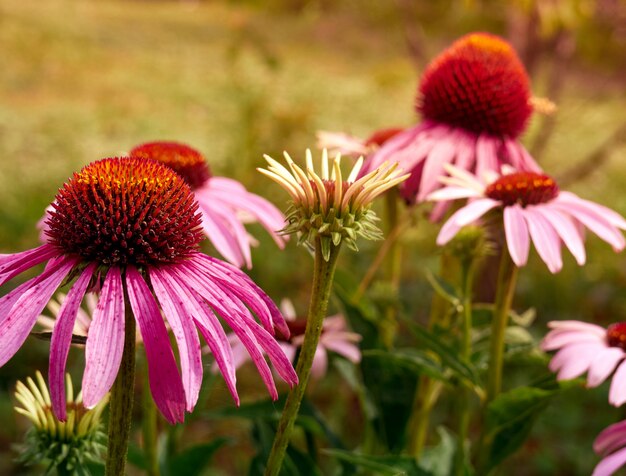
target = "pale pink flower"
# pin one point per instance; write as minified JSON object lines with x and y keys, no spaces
{"x":475,"y":102}
{"x":225,"y":204}
{"x":584,"y":347}
{"x":533,"y":209}
{"x":132,"y":224}
{"x":611,"y":445}
{"x":335,"y":338}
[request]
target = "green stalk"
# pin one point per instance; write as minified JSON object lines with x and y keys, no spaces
{"x":149,"y":427}
{"x":389,"y":326}
{"x":466,"y":354}
{"x":121,"y":402}
{"x":507,"y":279}
{"x":323,"y":274}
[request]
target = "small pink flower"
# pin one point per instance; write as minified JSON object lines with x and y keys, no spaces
{"x":611,"y":445}
{"x":534,"y":209}
{"x":475,"y":102}
{"x":225,"y":204}
{"x":584,"y":347}
{"x":132,"y":224}
{"x":335,"y":338}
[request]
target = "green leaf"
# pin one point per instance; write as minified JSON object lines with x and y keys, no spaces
{"x":448,"y":355}
{"x":195,"y":459}
{"x":419,"y":362}
{"x":439,"y":459}
{"x":443,"y":288}
{"x":381,"y":465}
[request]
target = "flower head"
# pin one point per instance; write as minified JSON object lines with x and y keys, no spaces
{"x":69,"y":444}
{"x":132,"y":225}
{"x":475,"y":101}
{"x":334,"y":338}
{"x":584,"y":347}
{"x":611,"y":445}
{"x":534,"y":208}
{"x":325,"y":205}
{"x":225,"y":204}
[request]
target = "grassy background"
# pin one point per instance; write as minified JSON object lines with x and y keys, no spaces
{"x":84,"y":80}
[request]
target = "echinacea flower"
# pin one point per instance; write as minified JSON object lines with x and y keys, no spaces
{"x":67,"y":445}
{"x":225,"y":204}
{"x":584,"y":347}
{"x":335,"y":338}
{"x":351,"y":146}
{"x":325,"y":205}
{"x":133,"y":224}
{"x":475,"y":102}
{"x":534,"y":208}
{"x":610,"y":444}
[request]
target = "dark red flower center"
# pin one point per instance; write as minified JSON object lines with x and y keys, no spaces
{"x":616,"y":335}
{"x":184,"y":160}
{"x":125,"y":211}
{"x":523,"y":188}
{"x":381,"y":136}
{"x":478,"y":84}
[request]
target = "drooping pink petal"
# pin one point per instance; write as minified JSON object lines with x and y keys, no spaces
{"x":442,"y":153}
{"x":573,"y":358}
{"x":566,"y":229}
{"x":516,"y":231}
{"x":464,"y":216}
{"x":611,"y":216}
{"x":466,"y":152}
{"x":610,"y":464}
{"x":61,"y":340}
{"x":545,"y":239}
{"x":603,"y":365}
{"x":452,"y":193}
{"x":390,"y":149}
{"x":13,"y":264}
{"x":572,"y":325}
{"x":180,"y":312}
{"x":611,"y":438}
{"x":558,"y":338}
{"x":165,"y":382}
{"x":105,"y":343}
{"x":487,"y":154}
{"x":520,"y":158}
{"x":617,"y":392}
{"x":22,"y":316}
{"x":320,"y":363}
{"x":342,"y":345}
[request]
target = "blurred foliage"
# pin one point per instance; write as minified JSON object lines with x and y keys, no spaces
{"x":82,"y":80}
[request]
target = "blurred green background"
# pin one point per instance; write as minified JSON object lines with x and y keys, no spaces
{"x":83,"y":80}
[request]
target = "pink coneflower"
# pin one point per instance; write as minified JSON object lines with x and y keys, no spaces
{"x":475,"y":102}
{"x":133,"y":224}
{"x":335,"y":338}
{"x":351,"y":146}
{"x":534,"y":209}
{"x":585,"y":347}
{"x":611,"y":445}
{"x":225,"y":204}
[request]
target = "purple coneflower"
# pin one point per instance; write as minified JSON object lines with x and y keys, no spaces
{"x":225,"y":204}
{"x":534,"y":209}
{"x":611,"y":445}
{"x":335,"y":338}
{"x":584,"y":347}
{"x":133,"y":224}
{"x":475,"y":102}
{"x":351,"y":146}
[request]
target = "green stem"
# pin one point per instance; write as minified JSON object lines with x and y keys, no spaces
{"x":389,"y":325}
{"x":322,"y":284}
{"x":507,"y":279}
{"x":149,"y":428}
{"x":121,"y":402}
{"x":466,"y":355}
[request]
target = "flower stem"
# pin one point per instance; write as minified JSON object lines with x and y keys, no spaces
{"x":121,"y":402}
{"x":467,"y":272}
{"x":507,"y":279}
{"x":389,"y":325}
{"x":322,"y":284}
{"x":149,"y":428}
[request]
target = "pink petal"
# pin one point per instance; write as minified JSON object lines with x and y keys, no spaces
{"x":545,"y":239}
{"x":180,"y":311}
{"x":320,"y":363}
{"x":22,"y":316}
{"x":487,"y":154}
{"x":566,"y":229}
{"x":610,"y":464}
{"x":105,"y":343}
{"x":464,"y":216}
{"x":517,"y":238}
{"x":390,"y":149}
{"x":572,"y":325}
{"x":165,"y":382}
{"x":603,"y":365}
{"x":559,"y":338}
{"x":574,"y":359}
{"x":466,"y":152}
{"x":520,"y":158}
{"x":452,"y":193}
{"x":61,"y":340}
{"x":611,"y":216}
{"x":442,"y":153}
{"x":13,"y":264}
{"x":611,"y":438}
{"x":617,"y":392}
{"x":343,"y":347}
